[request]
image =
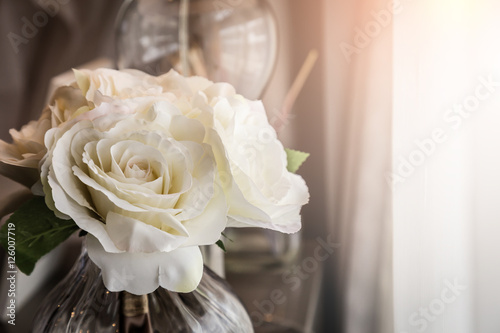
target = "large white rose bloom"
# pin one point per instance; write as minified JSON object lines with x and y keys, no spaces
{"x":139,"y":179}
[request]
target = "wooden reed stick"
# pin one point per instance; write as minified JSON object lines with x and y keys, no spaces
{"x":297,"y":86}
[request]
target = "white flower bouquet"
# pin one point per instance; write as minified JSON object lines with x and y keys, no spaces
{"x":149,"y":168}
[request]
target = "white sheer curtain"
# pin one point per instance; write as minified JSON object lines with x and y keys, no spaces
{"x":358,"y":83}
{"x":446,"y":164}
{"x":412,"y":162}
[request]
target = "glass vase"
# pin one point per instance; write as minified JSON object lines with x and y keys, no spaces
{"x":81,"y":303}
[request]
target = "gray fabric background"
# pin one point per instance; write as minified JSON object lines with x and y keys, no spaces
{"x":79,"y":31}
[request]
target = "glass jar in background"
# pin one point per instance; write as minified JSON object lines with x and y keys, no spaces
{"x":231,"y":41}
{"x":254,"y":249}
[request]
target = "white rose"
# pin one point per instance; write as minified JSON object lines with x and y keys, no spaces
{"x":263,"y":193}
{"x":252,"y":161}
{"x":20,"y":159}
{"x":141,"y":181}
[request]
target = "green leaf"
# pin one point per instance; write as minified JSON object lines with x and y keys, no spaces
{"x":221,"y":245}
{"x":295,"y":159}
{"x":36,"y":231}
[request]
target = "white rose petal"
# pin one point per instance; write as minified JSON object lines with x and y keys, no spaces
{"x":142,"y":273}
{"x":132,"y":235}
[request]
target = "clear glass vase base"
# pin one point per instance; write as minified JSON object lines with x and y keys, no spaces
{"x":81,"y":303}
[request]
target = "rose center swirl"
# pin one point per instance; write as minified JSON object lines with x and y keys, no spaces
{"x":139,"y":168}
